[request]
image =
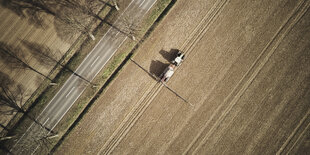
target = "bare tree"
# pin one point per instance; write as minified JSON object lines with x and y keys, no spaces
{"x":15,"y":58}
{"x":75,"y":17}
{"x":130,"y":26}
{"x":10,"y":98}
{"x":24,"y":6}
{"x":87,"y":7}
{"x":44,"y":141}
{"x":6,"y":138}
{"x":48,"y":57}
{"x":43,"y":54}
{"x":34,"y":10}
{"x":74,"y":13}
{"x":72,"y":22}
{"x":4,"y":127}
{"x":115,"y":5}
{"x":4,"y":149}
{"x":71,"y":16}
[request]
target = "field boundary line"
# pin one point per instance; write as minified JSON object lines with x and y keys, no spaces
{"x":250,"y":75}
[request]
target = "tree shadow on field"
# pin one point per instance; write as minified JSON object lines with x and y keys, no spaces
{"x":34,"y":11}
{"x":157,"y":67}
{"x":106,"y":3}
{"x":169,"y":56}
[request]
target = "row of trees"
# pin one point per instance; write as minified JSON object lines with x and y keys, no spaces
{"x":73,"y":15}
{"x":15,"y":58}
{"x":13,"y":95}
{"x":70,"y":16}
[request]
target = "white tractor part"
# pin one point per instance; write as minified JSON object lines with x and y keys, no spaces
{"x":168,"y":73}
{"x":178,"y":60}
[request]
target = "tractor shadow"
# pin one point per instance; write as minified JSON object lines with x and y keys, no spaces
{"x":169,"y":56}
{"x":157,"y":67}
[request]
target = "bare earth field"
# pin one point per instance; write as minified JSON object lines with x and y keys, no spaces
{"x":15,"y":31}
{"x":246,"y":72}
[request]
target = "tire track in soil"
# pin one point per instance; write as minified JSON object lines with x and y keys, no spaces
{"x":149,"y":95}
{"x":248,"y":77}
{"x":131,"y":118}
{"x":200,"y":30}
{"x":296,"y":135}
{"x":304,"y":123}
{"x":203,"y":26}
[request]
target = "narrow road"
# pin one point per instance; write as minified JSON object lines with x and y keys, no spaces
{"x":74,"y":86}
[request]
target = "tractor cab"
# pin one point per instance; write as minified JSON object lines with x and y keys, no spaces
{"x":168,"y":72}
{"x":179,"y":58}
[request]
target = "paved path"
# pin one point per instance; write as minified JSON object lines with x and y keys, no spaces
{"x":75,"y":86}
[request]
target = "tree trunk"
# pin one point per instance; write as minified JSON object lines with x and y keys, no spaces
{"x":53,"y":84}
{"x":6,"y":138}
{"x":91,"y":36}
{"x":133,"y":37}
{"x":115,"y":5}
{"x":50,"y":137}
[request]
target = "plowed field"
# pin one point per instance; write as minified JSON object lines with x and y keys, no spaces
{"x":246,"y":73}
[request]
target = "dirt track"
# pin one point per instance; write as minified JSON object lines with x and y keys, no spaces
{"x":246,"y":73}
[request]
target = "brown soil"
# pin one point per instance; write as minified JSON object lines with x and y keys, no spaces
{"x":246,"y":73}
